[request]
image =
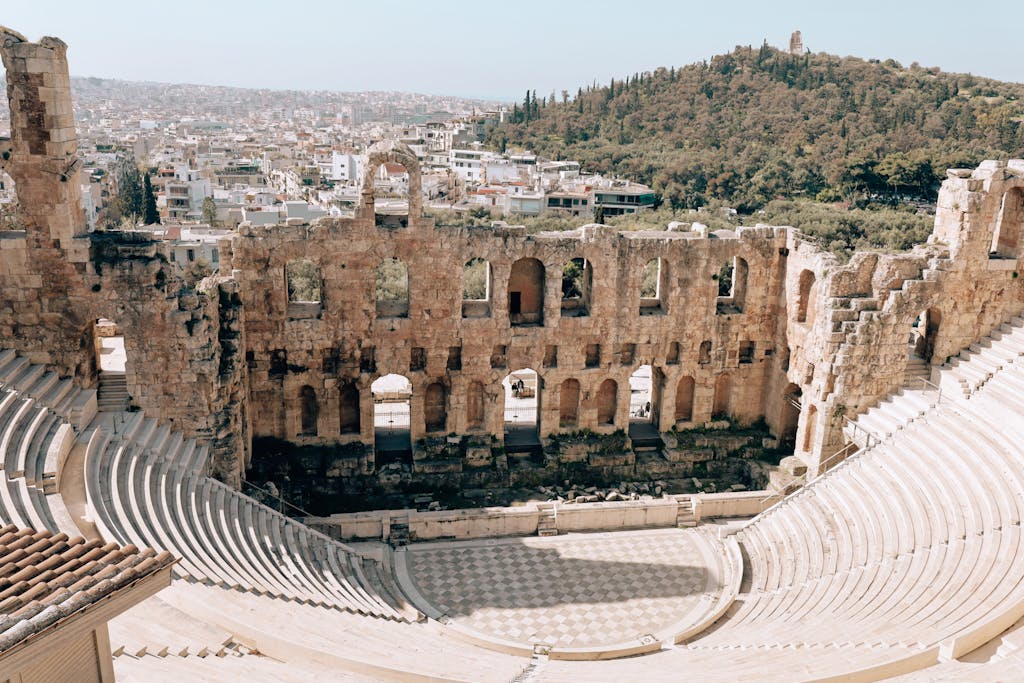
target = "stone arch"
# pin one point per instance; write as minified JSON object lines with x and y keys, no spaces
{"x":577,"y":281}
{"x":348,"y":408}
{"x":805,"y":287}
{"x":1006,"y":239}
{"x":309,"y":411}
{"x":684,"y":400}
{"x":391,"y":151}
{"x":720,"y":405}
{"x":392,"y":291}
{"x":809,"y":426}
{"x":526,"y":292}
{"x":435,"y":410}
{"x":475,"y":405}
{"x":477,"y":288}
{"x":607,"y":402}
{"x":569,"y":403}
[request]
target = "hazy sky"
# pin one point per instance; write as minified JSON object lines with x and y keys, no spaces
{"x":482,"y":48}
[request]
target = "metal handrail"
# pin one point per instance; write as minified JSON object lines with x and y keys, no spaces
{"x":305,"y":513}
{"x":822,"y":469}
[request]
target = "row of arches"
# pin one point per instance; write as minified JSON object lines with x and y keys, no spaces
{"x":391,"y":396}
{"x":526,"y":287}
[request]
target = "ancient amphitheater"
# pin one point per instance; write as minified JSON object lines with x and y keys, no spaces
{"x":897,"y":377}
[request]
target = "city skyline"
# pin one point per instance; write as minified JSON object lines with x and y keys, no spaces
{"x":494,"y":52}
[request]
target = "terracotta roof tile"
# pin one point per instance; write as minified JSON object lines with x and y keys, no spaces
{"x":46,"y":577}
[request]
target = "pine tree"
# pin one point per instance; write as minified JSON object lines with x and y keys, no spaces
{"x":150,"y":215}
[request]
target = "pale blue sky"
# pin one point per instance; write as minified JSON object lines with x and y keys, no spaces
{"x":483,"y":48}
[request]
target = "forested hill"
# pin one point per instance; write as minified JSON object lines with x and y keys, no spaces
{"x":758,"y":124}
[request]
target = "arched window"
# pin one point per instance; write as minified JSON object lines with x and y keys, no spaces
{"x":1009,"y":225}
{"x":392,"y":289}
{"x":309,"y":411}
{"x":435,"y":412}
{"x":732,"y":286}
{"x":475,"y":405}
{"x":607,"y":402}
{"x":348,"y":400}
{"x":653,"y":286}
{"x":804,"y":295}
{"x":723,"y":396}
{"x":476,"y":289}
{"x":569,"y":403}
{"x":526,"y":292}
{"x":684,"y":400}
{"x":577,"y":279}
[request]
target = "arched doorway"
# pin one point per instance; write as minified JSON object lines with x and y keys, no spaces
{"x":684,"y":400}
{"x":720,"y":406}
{"x":569,"y":403}
{"x":607,"y":402}
{"x":348,"y":409}
{"x":309,"y":411}
{"x":392,"y":395}
{"x":789,"y":419}
{"x":435,"y":409}
{"x":522,"y":411}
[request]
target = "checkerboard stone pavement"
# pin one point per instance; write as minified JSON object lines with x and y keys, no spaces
{"x":583,"y":590}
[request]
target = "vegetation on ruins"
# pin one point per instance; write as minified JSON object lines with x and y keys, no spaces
{"x":128,"y":206}
{"x":303,"y":281}
{"x":759,"y":124}
{"x":474,"y":280}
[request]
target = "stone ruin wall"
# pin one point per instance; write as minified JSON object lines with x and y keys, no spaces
{"x":56,"y":280}
{"x":231,"y":356}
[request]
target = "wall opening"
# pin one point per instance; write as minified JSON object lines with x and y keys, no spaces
{"x":476,"y":289}
{"x":112,"y":365}
{"x":923,"y":334}
{"x":577,"y":280}
{"x":592,"y":356}
{"x":309,"y":411}
{"x":732,"y":287}
{"x":653,"y":288}
{"x":475,"y":405}
{"x":806,"y":288}
{"x":684,"y":400}
{"x":1009,"y":225}
{"x":645,"y":405}
{"x":569,"y":403}
{"x":435,"y":408}
{"x":720,"y":405}
{"x":672,"y":355}
{"x":392,"y":396}
{"x":348,"y":408}
{"x":640,"y":395}
{"x":789,"y":419}
{"x":607,"y":402}
{"x":392,"y":289}
{"x":704,"y":354}
{"x":391,"y":196}
{"x":526,"y":292}
{"x":522,"y":410}
{"x":302,"y":278}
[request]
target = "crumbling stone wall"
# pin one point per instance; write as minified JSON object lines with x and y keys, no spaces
{"x":803,"y":341}
{"x":56,"y":279}
{"x":327,"y":348}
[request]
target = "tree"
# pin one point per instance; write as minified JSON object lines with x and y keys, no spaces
{"x":150,"y":215}
{"x":210,"y":212}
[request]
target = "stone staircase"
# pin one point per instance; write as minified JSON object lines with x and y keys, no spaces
{"x":399,"y":534}
{"x":113,"y":392}
{"x":917,"y":369}
{"x":685,"y":514}
{"x":547,"y":524}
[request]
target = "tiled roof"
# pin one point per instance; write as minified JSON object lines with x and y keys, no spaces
{"x":45,"y":577}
